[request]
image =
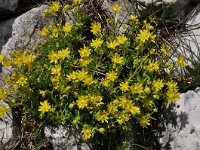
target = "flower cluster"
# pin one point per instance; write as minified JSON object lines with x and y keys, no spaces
{"x":99,"y":83}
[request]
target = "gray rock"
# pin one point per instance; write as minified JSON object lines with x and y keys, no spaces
{"x":8,"y":5}
{"x":5,"y":31}
{"x":24,"y":35}
{"x":65,"y":138}
{"x":5,"y":126}
{"x":184,"y":132}
{"x":9,"y":133}
{"x":25,"y":29}
{"x":124,"y":13}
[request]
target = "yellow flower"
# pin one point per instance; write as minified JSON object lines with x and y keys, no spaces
{"x":152,"y":51}
{"x":172,"y":95}
{"x":67,"y":28}
{"x":156,"y":96}
{"x":82,"y":102}
{"x":84,"y":62}
{"x":137,"y":88}
{"x":171,"y":85}
{"x":153,"y":66}
{"x":66,"y":7}
{"x":112,"y":76}
{"x":88,"y":80}
{"x":165,"y":49}
{"x":96,"y":100}
{"x":3,"y":110}
{"x":128,"y":106}
{"x":112,"y":44}
{"x":181,"y":62}
{"x":134,"y":110}
{"x":145,"y":36}
{"x":44,"y":106}
{"x":81,"y":75}
{"x":2,"y":56}
{"x":133,"y":18}
{"x":7,"y":62}
{"x":72,"y":76}
{"x":105,"y":82}
{"x":124,"y":102}
{"x":71,"y":105}
{"x":96,"y":43}
{"x":158,"y":85}
{"x":101,"y":130}
{"x":42,"y":93}
{"x":148,"y":26}
{"x":124,"y":86}
{"x":116,"y":8}
{"x":46,"y":12}
{"x":84,"y":52}
{"x":123,"y":117}
{"x":44,"y":32}
{"x":95,"y":27}
{"x":55,"y":6}
{"x":23,"y":58}
{"x":147,"y":90}
{"x":21,"y":81}
{"x":29,"y":59}
{"x":168,"y":65}
{"x":56,"y":70}
{"x":144,"y":121}
{"x":102,"y":116}
{"x":87,"y":132}
{"x":54,"y":31}
{"x":53,"y":57}
{"x":65,"y":53}
{"x":117,"y":59}
{"x":76,"y":120}
{"x":112,"y":108}
{"x":77,"y":1}
{"x":3,"y":94}
{"x":54,"y":79}
{"x":121,"y":39}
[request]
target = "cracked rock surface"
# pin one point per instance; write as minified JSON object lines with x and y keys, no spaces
{"x":65,"y":138}
{"x":25,"y":35}
{"x":25,"y":29}
{"x":184,"y":132}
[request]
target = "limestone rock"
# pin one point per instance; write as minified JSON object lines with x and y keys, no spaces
{"x":65,"y":138}
{"x":5,"y":126}
{"x":25,"y":30}
{"x":184,"y":132}
{"x":127,"y":7}
{"x":24,"y":35}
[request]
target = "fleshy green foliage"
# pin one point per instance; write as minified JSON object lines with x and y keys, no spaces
{"x":93,"y":77}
